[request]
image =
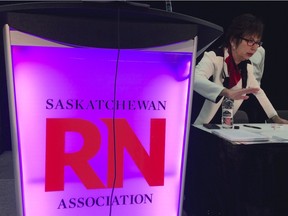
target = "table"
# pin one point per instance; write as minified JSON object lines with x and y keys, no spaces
{"x":232,"y":179}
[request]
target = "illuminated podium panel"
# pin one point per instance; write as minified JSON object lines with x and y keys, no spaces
{"x":99,"y":127}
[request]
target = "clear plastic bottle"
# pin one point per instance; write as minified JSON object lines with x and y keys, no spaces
{"x":227,"y":113}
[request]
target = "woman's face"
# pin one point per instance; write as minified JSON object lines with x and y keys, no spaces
{"x":246,"y":48}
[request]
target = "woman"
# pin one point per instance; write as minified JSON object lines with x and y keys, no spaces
{"x":228,"y":72}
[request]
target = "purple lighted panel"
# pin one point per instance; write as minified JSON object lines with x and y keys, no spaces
{"x":91,"y":84}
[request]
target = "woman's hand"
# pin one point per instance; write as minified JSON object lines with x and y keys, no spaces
{"x":239,"y":93}
{"x":278,"y":120}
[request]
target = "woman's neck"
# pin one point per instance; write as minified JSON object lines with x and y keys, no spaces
{"x":236,"y":58}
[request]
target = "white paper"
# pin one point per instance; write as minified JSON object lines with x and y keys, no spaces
{"x":238,"y":135}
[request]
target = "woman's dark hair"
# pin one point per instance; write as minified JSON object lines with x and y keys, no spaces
{"x":245,"y":24}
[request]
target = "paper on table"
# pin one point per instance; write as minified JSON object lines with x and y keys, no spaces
{"x":276,"y":134}
{"x":238,"y":135}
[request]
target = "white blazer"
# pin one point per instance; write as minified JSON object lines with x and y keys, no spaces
{"x":212,"y":65}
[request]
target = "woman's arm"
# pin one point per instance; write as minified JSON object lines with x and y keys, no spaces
{"x":209,"y":66}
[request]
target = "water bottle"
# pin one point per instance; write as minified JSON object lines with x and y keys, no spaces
{"x":227,"y":113}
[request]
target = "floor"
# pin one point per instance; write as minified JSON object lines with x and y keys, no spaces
{"x":7,"y":189}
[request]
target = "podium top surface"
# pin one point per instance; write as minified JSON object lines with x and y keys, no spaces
{"x":134,"y":25}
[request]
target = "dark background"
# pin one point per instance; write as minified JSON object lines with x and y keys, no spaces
{"x":274,"y":15}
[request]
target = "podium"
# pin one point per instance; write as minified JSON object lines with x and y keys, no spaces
{"x":100,"y":98}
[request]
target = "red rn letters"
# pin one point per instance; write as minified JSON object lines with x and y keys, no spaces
{"x":150,"y":165}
